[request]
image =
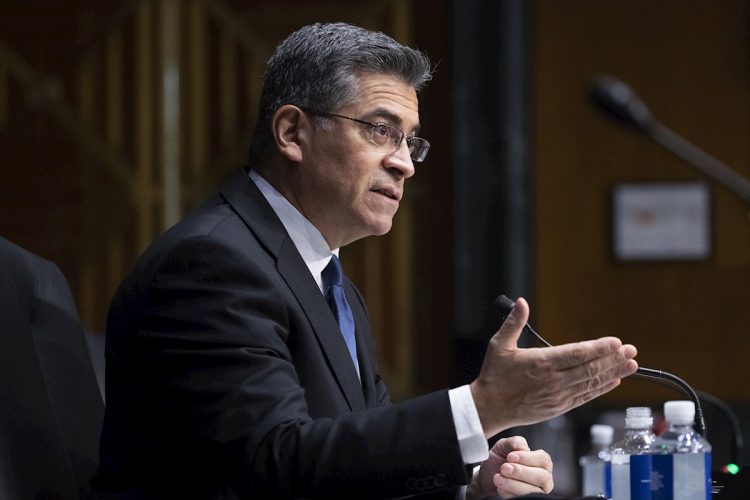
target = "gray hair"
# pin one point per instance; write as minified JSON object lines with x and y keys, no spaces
{"x":318,"y":67}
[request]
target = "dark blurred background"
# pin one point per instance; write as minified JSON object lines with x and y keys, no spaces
{"x":117,"y":117}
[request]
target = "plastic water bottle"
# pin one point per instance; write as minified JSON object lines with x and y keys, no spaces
{"x":595,"y":466}
{"x":682,"y":457}
{"x":631,"y":457}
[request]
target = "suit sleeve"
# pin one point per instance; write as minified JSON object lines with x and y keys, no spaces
{"x":210,"y":388}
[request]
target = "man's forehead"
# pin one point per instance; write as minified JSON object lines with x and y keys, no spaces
{"x":389,"y":98}
{"x":387,"y":87}
{"x":387,"y":115}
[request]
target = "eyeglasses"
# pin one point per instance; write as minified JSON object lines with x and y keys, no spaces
{"x":384,"y":135}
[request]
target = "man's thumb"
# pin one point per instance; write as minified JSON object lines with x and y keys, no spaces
{"x":509,"y":332}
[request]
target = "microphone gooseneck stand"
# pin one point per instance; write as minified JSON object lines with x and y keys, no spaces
{"x":618,"y":101}
{"x":662,"y":376}
{"x":503,"y":306}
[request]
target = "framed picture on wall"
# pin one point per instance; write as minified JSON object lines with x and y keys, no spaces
{"x":661,"y":221}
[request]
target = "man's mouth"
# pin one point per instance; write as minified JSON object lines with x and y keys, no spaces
{"x":387,"y":193}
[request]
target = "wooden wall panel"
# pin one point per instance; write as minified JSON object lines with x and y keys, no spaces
{"x":689,"y":60}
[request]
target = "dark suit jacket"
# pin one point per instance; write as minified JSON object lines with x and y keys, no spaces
{"x":227,"y":376}
{"x":50,"y":405}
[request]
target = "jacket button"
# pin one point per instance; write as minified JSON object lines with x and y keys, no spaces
{"x":440,"y":480}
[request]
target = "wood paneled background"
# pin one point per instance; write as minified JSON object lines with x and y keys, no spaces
{"x":88,"y":136}
{"x":690,"y":62}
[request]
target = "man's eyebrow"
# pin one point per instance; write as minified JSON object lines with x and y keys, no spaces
{"x":390,"y":116}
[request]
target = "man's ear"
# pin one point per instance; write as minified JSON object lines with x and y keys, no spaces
{"x":289,"y":127}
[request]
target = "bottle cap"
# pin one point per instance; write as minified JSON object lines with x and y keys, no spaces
{"x":638,"y":417}
{"x":602,"y":434}
{"x":679,"y":412}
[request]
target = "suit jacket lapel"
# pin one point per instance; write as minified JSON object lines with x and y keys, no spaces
{"x":252,"y":207}
{"x":365,"y":345}
{"x":294,"y":271}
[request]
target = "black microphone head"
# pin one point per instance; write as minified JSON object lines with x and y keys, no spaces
{"x":618,"y":101}
{"x":494,"y":317}
{"x":501,"y":308}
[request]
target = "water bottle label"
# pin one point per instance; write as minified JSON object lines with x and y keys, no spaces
{"x":707,"y":468}
{"x":620,"y":478}
{"x":682,"y":476}
{"x":640,"y":477}
{"x":608,"y":480}
{"x":662,"y":480}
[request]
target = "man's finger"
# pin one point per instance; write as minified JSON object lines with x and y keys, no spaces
{"x":585,"y":395}
{"x":601,"y":370}
{"x":578,"y":353}
{"x":536,"y":458}
{"x":505,"y":446}
{"x":518,"y":479}
{"x":584,"y":381}
{"x":509,"y":332}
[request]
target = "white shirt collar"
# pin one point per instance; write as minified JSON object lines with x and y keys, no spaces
{"x":309,"y":241}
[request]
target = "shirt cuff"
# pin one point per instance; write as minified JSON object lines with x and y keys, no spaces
{"x":471,"y":440}
{"x":461,"y":493}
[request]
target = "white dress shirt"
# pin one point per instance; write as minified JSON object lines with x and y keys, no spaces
{"x":316,"y":253}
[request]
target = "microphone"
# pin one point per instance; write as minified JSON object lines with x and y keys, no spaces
{"x":618,"y":101}
{"x":503,"y":306}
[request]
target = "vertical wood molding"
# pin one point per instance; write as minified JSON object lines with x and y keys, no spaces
{"x":402,"y":20}
{"x":87,"y":257}
{"x":113,"y":61}
{"x":170,"y":111}
{"x":197,"y":86}
{"x":114,"y":71}
{"x":115,"y":265}
{"x":228,"y":57}
{"x":144,"y":149}
{"x":255,"y":68}
{"x":4,"y":78}
{"x":401,"y":298}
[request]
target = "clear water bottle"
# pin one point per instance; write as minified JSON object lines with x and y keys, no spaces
{"x":631,"y":457}
{"x":682,"y":457}
{"x":595,"y":466}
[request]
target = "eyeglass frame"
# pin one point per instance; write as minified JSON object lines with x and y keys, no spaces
{"x":373,"y":125}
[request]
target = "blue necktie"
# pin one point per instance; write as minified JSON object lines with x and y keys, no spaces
{"x":333,"y":277}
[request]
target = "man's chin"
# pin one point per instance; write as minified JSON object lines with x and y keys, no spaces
{"x":383,"y":228}
{"x":379,"y":229}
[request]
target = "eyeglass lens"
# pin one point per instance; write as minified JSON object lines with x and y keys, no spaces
{"x":382,"y":134}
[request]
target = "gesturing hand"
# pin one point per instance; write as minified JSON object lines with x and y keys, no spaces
{"x":524,"y":386}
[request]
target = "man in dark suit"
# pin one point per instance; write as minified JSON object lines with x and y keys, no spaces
{"x":50,"y":406}
{"x":237,"y":368}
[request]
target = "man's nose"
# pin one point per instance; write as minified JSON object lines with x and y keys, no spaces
{"x":400,"y":161}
